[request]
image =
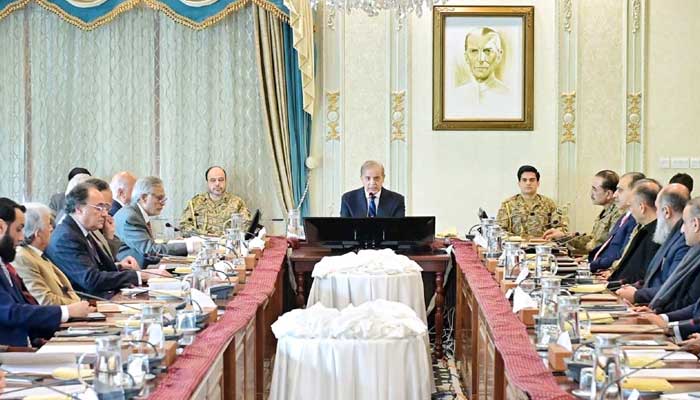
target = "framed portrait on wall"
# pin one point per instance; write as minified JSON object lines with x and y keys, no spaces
{"x":483,"y":61}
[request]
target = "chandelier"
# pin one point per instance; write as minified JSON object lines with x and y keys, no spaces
{"x":401,"y":8}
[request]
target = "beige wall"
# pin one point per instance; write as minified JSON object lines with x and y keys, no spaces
{"x":673,"y":66}
{"x":455,"y":173}
{"x":451,"y":174}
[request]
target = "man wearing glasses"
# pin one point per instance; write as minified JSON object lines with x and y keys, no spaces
{"x":76,"y":252}
{"x":134,"y":226}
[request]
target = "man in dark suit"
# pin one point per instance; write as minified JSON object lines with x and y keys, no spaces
{"x":372,"y":200}
{"x":58,"y":200}
{"x":641,"y":248}
{"x":603,"y":256}
{"x":134,"y":227}
{"x":21,"y":319}
{"x":76,"y":252}
{"x":669,"y":216}
{"x":678,"y":298}
{"x":122,"y":185}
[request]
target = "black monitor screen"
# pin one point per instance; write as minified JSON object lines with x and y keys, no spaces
{"x":408,"y":233}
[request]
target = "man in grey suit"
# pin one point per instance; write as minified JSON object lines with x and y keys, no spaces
{"x":58,"y":200}
{"x":134,"y":227}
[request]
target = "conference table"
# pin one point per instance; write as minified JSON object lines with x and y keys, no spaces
{"x":305,"y":256}
{"x":231,"y":358}
{"x":495,"y":351}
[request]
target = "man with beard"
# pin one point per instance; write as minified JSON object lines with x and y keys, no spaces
{"x":21,"y":320}
{"x":678,"y":298}
{"x":669,"y":216}
{"x":209,"y":213}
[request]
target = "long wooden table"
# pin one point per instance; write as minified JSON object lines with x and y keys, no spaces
{"x":304,"y":258}
{"x":227,"y":359}
{"x":496,"y":362}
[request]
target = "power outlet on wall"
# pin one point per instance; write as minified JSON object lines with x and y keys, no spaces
{"x":664,"y":163}
{"x":680,"y":163}
{"x":695,"y":162}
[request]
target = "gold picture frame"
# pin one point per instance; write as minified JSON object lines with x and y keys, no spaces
{"x":483,"y":68}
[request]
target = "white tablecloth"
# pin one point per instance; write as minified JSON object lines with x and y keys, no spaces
{"x":338,"y":290}
{"x":352,"y":369}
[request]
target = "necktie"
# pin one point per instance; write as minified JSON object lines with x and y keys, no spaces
{"x":372,"y":206}
{"x":150,"y":229}
{"x":92,"y":247}
{"x":607,"y":242}
{"x":19,"y":284}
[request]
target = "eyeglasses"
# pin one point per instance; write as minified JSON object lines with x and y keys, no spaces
{"x":161,"y":198}
{"x":100,"y":207}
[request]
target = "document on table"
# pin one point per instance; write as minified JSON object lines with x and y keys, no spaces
{"x":36,"y":363}
{"x":79,"y":390}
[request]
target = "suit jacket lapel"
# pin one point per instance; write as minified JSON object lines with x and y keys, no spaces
{"x":14,"y":291}
{"x":362,"y":200}
{"x":657,"y":262}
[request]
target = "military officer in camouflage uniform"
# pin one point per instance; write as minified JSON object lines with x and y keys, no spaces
{"x":530,"y":214}
{"x":602,"y":194}
{"x":210,"y":213}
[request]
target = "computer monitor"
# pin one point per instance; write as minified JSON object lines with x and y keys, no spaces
{"x":403,"y":234}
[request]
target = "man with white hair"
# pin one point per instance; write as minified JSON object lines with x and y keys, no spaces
{"x":122,"y":185}
{"x":43,"y":279}
{"x":134,"y":226}
{"x":669,"y":216}
{"x":73,"y":182}
{"x":58,"y":200}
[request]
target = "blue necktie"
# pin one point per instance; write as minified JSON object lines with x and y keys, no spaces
{"x":372,"y":207}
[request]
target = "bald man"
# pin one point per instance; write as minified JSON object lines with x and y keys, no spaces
{"x":669,"y":216}
{"x":122,"y":184}
{"x":210,"y":213}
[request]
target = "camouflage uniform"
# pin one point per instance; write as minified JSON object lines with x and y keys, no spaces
{"x":600,"y":232}
{"x":208,"y":217}
{"x":530,"y":218}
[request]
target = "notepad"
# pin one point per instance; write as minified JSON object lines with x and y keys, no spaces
{"x":36,"y":363}
{"x":46,"y":393}
{"x":671,"y":374}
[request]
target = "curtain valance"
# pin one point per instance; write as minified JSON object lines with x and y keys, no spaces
{"x":195,"y":14}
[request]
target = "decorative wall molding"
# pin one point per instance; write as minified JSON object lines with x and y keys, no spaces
{"x":332,"y":127}
{"x":398,"y":98}
{"x":398,"y":116}
{"x":567,"y":13}
{"x":567,"y":56}
{"x":635,"y":83}
{"x":332,"y":116}
{"x":568,"y":101}
{"x":634,"y":118}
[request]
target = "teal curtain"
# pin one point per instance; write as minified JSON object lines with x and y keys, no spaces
{"x":299,"y":122}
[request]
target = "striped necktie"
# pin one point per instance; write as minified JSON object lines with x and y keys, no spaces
{"x":372,"y":206}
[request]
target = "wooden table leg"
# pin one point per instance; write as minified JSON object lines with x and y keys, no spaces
{"x":439,"y":309}
{"x":301,"y":301}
